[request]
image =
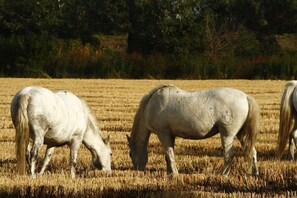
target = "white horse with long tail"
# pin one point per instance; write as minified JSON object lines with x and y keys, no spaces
{"x":288,"y":117}
{"x":55,"y":119}
{"x":171,"y":112}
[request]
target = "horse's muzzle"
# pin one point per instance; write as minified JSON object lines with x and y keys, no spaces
{"x":139,"y":168}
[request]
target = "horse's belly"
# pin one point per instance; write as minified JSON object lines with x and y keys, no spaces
{"x":63,"y":130}
{"x":61,"y":135}
{"x":54,"y":142}
{"x":192,"y":125}
{"x":54,"y":138}
{"x":194,"y":133}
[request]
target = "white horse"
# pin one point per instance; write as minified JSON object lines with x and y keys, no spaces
{"x":55,"y":119}
{"x":288,"y":124}
{"x":171,"y":112}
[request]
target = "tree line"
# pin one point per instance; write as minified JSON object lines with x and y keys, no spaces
{"x":192,"y":39}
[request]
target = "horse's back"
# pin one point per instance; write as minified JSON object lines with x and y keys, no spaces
{"x":75,"y":107}
{"x":196,"y":114}
{"x":72,"y":101}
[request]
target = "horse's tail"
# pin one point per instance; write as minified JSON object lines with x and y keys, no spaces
{"x":22,"y":133}
{"x":286,"y":118}
{"x":250,"y":127}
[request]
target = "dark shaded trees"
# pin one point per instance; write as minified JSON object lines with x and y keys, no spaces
{"x":170,"y":38}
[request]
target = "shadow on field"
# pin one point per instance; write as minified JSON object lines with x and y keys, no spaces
{"x":267,"y":155}
{"x":192,"y":151}
{"x":59,"y":191}
{"x":7,"y":162}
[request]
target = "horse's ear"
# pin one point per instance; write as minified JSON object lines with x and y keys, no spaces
{"x":129,"y":139}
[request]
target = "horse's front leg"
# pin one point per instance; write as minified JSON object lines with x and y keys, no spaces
{"x":227,"y":143}
{"x":255,"y":170}
{"x":47,"y":158}
{"x":167,"y":141}
{"x":28,"y":156}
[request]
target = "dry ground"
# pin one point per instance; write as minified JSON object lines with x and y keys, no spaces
{"x":114,"y":102}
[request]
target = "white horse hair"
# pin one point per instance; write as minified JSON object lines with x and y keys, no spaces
{"x":171,"y":112}
{"x":55,"y":119}
{"x":287,"y":123}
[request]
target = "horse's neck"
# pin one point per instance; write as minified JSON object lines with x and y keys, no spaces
{"x":140,"y":134}
{"x":92,"y":138}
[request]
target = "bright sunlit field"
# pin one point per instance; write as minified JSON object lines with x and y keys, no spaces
{"x":114,"y":103}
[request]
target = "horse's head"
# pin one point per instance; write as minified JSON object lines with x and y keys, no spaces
{"x":102,"y":159}
{"x":138,"y":155}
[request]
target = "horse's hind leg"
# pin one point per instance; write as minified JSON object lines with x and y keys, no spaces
{"x":167,"y":141}
{"x":293,"y":140}
{"x":255,"y":170}
{"x":227,"y":143}
{"x":47,"y":158}
{"x":293,"y":143}
{"x":37,"y":143}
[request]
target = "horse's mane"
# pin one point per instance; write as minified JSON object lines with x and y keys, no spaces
{"x":144,"y":101}
{"x":92,"y":122}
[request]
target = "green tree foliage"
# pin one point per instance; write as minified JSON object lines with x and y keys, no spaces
{"x":280,"y":16}
{"x":82,"y":19}
{"x":31,"y":33}
{"x":164,"y":26}
{"x":24,"y":17}
{"x":228,"y":36}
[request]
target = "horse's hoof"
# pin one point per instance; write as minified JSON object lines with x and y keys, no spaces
{"x":172,"y":175}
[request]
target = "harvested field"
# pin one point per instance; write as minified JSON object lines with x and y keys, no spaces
{"x":114,"y":103}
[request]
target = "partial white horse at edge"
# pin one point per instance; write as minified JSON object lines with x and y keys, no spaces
{"x":55,"y":119}
{"x":288,"y":121}
{"x":171,"y":112}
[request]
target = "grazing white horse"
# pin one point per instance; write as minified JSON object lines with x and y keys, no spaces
{"x":55,"y":119}
{"x":288,"y":118}
{"x":171,"y":112}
